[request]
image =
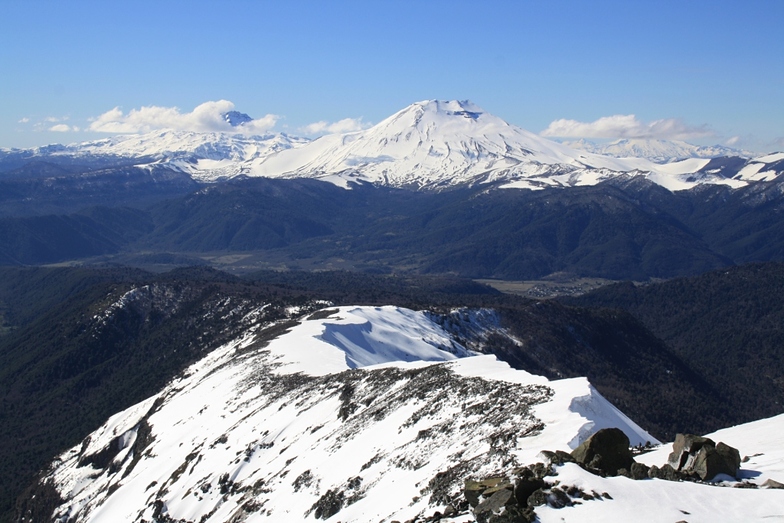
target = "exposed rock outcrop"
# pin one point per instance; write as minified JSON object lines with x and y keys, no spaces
{"x":696,"y":455}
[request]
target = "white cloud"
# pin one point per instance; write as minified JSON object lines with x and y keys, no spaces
{"x":62,"y":128}
{"x":732,"y":141}
{"x":204,"y":118}
{"x":346,"y":125}
{"x":626,"y":126}
{"x":24,"y":120}
{"x":259,"y":125}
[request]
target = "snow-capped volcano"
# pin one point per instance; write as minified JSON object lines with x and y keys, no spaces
{"x":427,"y":143}
{"x":436,"y":144}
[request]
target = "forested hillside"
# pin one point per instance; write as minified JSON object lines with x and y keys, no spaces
{"x":728,"y":325}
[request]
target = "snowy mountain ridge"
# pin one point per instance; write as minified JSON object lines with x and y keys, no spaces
{"x":205,"y":156}
{"x":659,"y":151}
{"x":359,"y":414}
{"x":272,"y":429}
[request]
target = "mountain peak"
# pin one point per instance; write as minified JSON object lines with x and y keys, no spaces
{"x":236,"y":118}
{"x":450,"y":107}
{"x":441,"y":111}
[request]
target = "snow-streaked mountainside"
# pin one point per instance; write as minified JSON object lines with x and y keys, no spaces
{"x":378,"y":406}
{"x":428,"y":145}
{"x":360,"y":414}
{"x":659,"y":151}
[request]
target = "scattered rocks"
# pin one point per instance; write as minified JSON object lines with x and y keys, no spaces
{"x":503,"y":499}
{"x":513,"y":498}
{"x":666,"y":472}
{"x":558,"y":457}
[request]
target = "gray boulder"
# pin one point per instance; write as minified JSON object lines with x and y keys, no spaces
{"x":607,"y":451}
{"x":701,"y":457}
{"x":685,"y":449}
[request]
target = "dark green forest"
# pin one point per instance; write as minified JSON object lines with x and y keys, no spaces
{"x":621,"y":229}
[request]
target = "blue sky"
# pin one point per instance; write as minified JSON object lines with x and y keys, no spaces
{"x":712,"y":71}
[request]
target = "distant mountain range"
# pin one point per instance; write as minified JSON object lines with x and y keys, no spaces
{"x":439,"y":187}
{"x":428,"y":145}
{"x":659,"y":151}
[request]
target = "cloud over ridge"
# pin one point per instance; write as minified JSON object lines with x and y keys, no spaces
{"x":207,"y":117}
{"x":346,"y":125}
{"x":626,"y":126}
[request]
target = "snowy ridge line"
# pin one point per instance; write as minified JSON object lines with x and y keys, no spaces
{"x":254,"y":432}
{"x":658,"y":151}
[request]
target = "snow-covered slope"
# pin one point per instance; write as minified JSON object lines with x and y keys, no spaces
{"x":434,"y":144}
{"x":761,"y":443}
{"x":762,"y":169}
{"x":354,"y":414}
{"x":659,"y":151}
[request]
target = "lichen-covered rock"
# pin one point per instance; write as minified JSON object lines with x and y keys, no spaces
{"x":639,"y":471}
{"x":606,"y":451}
{"x":501,"y":500}
{"x":497,"y":501}
{"x":710,"y":461}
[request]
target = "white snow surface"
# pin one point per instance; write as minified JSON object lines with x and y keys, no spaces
{"x":355,"y":337}
{"x":370,"y":402}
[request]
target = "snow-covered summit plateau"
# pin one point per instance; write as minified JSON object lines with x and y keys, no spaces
{"x":359,"y":414}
